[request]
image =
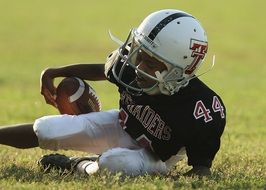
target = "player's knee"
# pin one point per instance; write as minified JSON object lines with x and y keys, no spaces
{"x":43,"y":130}
{"x":126,"y":161}
{"x":41,"y":126}
{"x":48,"y":127}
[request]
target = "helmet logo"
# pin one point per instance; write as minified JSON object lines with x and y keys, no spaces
{"x":199,"y":49}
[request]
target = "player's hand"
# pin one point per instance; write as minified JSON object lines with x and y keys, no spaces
{"x":47,"y":87}
{"x":198,"y":171}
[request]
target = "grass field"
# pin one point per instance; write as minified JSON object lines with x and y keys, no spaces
{"x":37,"y":34}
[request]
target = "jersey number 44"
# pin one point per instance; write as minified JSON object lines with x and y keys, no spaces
{"x":201,"y":111}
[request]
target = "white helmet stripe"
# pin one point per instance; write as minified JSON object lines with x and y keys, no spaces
{"x":164,"y":22}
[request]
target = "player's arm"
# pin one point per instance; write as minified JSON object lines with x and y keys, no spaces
{"x":84,"y":71}
{"x":201,"y":152}
{"x":91,"y":72}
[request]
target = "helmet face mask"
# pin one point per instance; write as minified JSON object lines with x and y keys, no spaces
{"x":171,"y":37}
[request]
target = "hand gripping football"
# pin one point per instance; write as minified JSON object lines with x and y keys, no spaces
{"x":74,"y":96}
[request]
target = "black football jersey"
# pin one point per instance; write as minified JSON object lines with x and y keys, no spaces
{"x":193,"y":118}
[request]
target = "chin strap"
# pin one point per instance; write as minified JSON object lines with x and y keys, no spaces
{"x":161,"y":82}
{"x":117,"y":41}
{"x":212,"y":65}
{"x":159,"y":87}
{"x":170,"y":86}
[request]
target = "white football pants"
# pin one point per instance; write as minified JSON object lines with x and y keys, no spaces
{"x":100,"y":133}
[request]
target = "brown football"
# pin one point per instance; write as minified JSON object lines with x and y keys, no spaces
{"x":74,"y":96}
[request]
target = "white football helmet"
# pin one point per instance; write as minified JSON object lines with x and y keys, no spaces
{"x":173,"y":37}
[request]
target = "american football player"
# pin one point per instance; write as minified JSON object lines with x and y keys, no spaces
{"x":166,"y":112}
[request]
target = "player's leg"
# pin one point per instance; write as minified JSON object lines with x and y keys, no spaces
{"x":94,"y":132}
{"x":131,"y":162}
{"x":19,"y":136}
{"x":135,"y":162}
{"x":127,"y":161}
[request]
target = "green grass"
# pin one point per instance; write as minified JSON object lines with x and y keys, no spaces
{"x":37,"y":34}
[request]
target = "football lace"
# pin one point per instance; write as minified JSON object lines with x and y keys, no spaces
{"x":93,"y":94}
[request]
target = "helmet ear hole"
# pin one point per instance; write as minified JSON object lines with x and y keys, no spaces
{"x":110,"y":55}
